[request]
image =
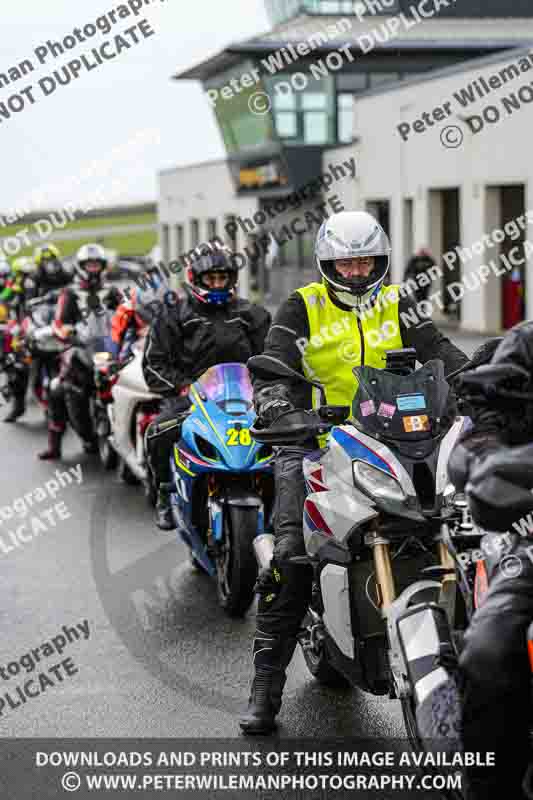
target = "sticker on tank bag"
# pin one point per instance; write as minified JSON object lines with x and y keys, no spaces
{"x":415,"y":424}
{"x":410,"y":402}
{"x":367,"y":407}
{"x":386,"y":410}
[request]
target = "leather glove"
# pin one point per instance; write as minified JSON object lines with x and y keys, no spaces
{"x":272,"y":409}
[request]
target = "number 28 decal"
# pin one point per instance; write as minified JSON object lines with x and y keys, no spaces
{"x":236,"y":437}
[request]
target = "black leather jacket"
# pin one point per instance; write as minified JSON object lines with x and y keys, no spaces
{"x":186,"y":339}
{"x":495,"y":457}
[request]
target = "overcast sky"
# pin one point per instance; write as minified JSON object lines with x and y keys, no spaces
{"x":49,"y":144}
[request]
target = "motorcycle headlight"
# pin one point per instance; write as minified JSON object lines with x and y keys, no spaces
{"x":377,"y":483}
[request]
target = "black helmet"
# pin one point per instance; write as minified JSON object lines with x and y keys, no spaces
{"x":211,"y":257}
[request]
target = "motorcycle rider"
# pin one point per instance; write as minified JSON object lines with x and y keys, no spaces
{"x":133,"y":316}
{"x":50,"y":271}
{"x":5,"y":272}
{"x":322,"y":331}
{"x":210,"y":325}
{"x":19,"y":285}
{"x":91,"y":263}
{"x":493,"y":462}
{"x":31,"y":279}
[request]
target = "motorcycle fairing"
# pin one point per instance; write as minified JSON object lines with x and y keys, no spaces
{"x":335,"y":587}
{"x":215,"y":435}
{"x":215,"y":439}
{"x":332,"y":514}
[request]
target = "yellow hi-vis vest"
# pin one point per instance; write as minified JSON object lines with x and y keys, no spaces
{"x":341,"y":340}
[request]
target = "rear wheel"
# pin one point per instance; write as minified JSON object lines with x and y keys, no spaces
{"x":315,"y":656}
{"x":236,"y":562}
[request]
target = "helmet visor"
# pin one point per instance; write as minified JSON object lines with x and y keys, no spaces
{"x":333,"y":245}
{"x":215,"y":279}
{"x":355,"y":275}
{"x":93,"y":266}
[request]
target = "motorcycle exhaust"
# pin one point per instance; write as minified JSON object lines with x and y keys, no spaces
{"x":264,"y":549}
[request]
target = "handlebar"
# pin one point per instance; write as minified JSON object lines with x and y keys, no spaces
{"x":297,"y":425}
{"x":49,"y":297}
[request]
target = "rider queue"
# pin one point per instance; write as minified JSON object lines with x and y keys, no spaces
{"x":212,"y":325}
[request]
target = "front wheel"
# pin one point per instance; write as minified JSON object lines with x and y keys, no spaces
{"x":150,"y":490}
{"x":108,"y":456}
{"x":418,"y":746}
{"x":236,"y":562}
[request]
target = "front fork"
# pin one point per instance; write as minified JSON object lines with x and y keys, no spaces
{"x":407,"y":644}
{"x":385,"y":587}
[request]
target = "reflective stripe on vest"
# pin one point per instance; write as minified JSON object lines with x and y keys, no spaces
{"x":339,"y":341}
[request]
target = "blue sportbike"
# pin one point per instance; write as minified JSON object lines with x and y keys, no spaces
{"x":223,"y":483}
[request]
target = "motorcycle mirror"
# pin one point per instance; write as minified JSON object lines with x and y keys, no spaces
{"x":269,"y":367}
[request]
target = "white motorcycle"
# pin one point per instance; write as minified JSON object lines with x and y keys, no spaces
{"x":386,"y":605}
{"x":125,"y":408}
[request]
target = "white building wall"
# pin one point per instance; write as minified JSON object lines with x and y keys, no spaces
{"x":393,"y":169}
{"x":346,"y":189}
{"x":201,"y":192}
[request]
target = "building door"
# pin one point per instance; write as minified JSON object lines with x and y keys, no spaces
{"x":513,"y":288}
{"x":380,"y":209}
{"x":445,"y":235}
{"x":451,"y":238}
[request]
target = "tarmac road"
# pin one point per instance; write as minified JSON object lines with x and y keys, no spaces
{"x":161,"y":658}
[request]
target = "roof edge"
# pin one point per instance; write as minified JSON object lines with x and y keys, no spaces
{"x":443,"y":72}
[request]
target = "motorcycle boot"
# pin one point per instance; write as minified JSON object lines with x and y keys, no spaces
{"x":272,"y":655}
{"x":18,"y":408}
{"x":53,"y":453}
{"x":18,"y":384}
{"x":164,"y":517}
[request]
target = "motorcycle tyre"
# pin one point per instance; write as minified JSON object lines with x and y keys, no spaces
{"x":108,"y":456}
{"x":417,"y":746}
{"x":150,"y":491}
{"x":240,"y":529}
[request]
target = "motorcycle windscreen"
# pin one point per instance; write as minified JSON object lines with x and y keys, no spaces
{"x":229,"y":386}
{"x":43,"y":315}
{"x":95,"y":332}
{"x":404,"y":407}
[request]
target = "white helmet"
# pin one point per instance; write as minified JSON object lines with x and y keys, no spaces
{"x":91,"y":262}
{"x":5,"y":268}
{"x":91,"y":252}
{"x":352,"y":234}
